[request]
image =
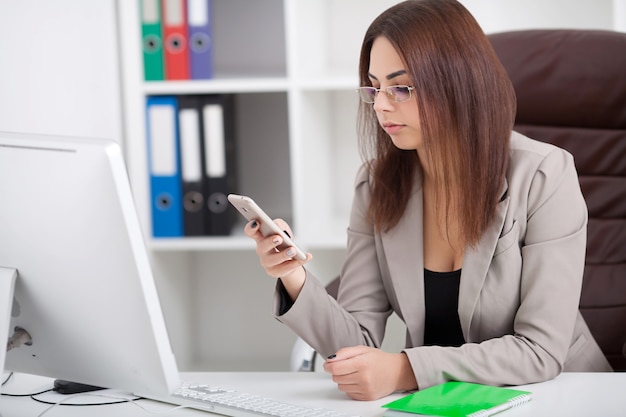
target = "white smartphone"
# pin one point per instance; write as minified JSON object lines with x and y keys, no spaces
{"x":251,"y":211}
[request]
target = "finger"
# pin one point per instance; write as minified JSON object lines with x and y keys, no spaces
{"x":341,"y":367}
{"x":353,"y":388}
{"x":280,"y":264}
{"x":270,"y":255}
{"x":349,"y":388}
{"x":268,"y":244}
{"x":347,"y":360}
{"x":284,"y":226}
{"x":348,"y":352}
{"x":356,"y":386}
{"x":345,"y":375}
{"x":272,"y":246}
{"x":252,"y":230}
{"x":359,"y":396}
{"x":278,"y":261}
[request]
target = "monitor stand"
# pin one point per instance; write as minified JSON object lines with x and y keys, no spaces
{"x":68,"y":387}
{"x":7,"y":285}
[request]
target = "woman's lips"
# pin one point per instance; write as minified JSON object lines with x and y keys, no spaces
{"x":392,"y":128}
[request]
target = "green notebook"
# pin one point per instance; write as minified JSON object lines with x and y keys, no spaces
{"x":458,"y":399}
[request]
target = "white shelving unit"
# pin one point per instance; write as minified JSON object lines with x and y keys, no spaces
{"x":292,"y":65}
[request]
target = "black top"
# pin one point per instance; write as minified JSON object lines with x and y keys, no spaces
{"x":441,"y":295}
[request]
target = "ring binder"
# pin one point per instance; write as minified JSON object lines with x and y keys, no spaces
{"x":175,"y":40}
{"x":219,"y":158}
{"x":164,"y":163}
{"x":191,"y":144}
{"x":200,"y":45}
{"x":152,"y":40}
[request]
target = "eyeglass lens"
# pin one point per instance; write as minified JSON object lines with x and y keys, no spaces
{"x":397,"y":93}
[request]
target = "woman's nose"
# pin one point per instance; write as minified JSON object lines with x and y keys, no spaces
{"x":382,"y":101}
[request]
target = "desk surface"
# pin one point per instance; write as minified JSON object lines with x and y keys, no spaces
{"x":570,"y":394}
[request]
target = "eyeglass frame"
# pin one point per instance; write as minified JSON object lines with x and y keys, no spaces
{"x":387,"y":92}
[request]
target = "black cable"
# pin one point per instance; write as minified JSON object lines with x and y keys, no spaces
{"x":19,"y":395}
{"x":33,"y":397}
{"x":8,"y":378}
{"x":25,"y":395}
{"x":121,"y":401}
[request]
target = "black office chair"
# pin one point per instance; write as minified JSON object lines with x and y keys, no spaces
{"x":571,"y":91}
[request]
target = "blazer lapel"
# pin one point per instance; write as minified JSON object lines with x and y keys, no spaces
{"x":404,"y":252}
{"x":476,"y":264}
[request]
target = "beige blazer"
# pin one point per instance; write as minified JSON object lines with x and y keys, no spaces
{"x":519,"y":292}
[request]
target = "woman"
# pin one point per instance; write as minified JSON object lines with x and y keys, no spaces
{"x":473,"y":234}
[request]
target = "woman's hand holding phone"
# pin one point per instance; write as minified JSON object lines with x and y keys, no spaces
{"x":278,"y":254}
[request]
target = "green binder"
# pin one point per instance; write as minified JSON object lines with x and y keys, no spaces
{"x":458,"y":399}
{"x":152,"y":40}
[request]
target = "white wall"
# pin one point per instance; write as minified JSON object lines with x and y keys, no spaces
{"x":59,"y":68}
{"x":619,"y":15}
{"x":502,"y":15}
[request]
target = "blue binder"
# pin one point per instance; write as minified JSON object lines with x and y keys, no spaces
{"x":164,"y":166}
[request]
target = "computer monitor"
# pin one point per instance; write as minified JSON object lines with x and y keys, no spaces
{"x":84,"y":290}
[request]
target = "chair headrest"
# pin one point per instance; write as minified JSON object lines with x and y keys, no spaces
{"x":566,"y":77}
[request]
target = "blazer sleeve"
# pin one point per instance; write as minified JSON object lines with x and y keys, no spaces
{"x":552,"y":216}
{"x":360,"y":316}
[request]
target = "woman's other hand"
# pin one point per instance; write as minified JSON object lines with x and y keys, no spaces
{"x":366,"y":373}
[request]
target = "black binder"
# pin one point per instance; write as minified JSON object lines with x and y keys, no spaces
{"x":192,"y":165}
{"x":219,"y":162}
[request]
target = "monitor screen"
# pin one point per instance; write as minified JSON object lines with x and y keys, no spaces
{"x":84,"y":291}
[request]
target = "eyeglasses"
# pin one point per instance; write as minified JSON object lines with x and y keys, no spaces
{"x":397,"y":93}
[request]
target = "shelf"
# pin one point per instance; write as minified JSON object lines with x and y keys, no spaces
{"x":330,"y":235}
{"x":218,"y":86}
{"x":201,"y":244}
{"x":250,"y":85}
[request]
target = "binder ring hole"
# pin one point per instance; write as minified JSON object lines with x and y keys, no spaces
{"x":200,"y":42}
{"x":217,"y":202}
{"x":193,"y":201}
{"x":175,"y":43}
{"x":152,"y":43}
{"x":164,"y":201}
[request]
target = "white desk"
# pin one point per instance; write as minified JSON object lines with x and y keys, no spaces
{"x":572,"y":395}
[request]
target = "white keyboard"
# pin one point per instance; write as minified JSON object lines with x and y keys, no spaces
{"x":241,"y":404}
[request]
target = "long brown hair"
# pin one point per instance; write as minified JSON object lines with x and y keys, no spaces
{"x":466,"y":108}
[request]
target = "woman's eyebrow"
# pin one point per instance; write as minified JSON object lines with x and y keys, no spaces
{"x":395,"y":74}
{"x":389,"y":76}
